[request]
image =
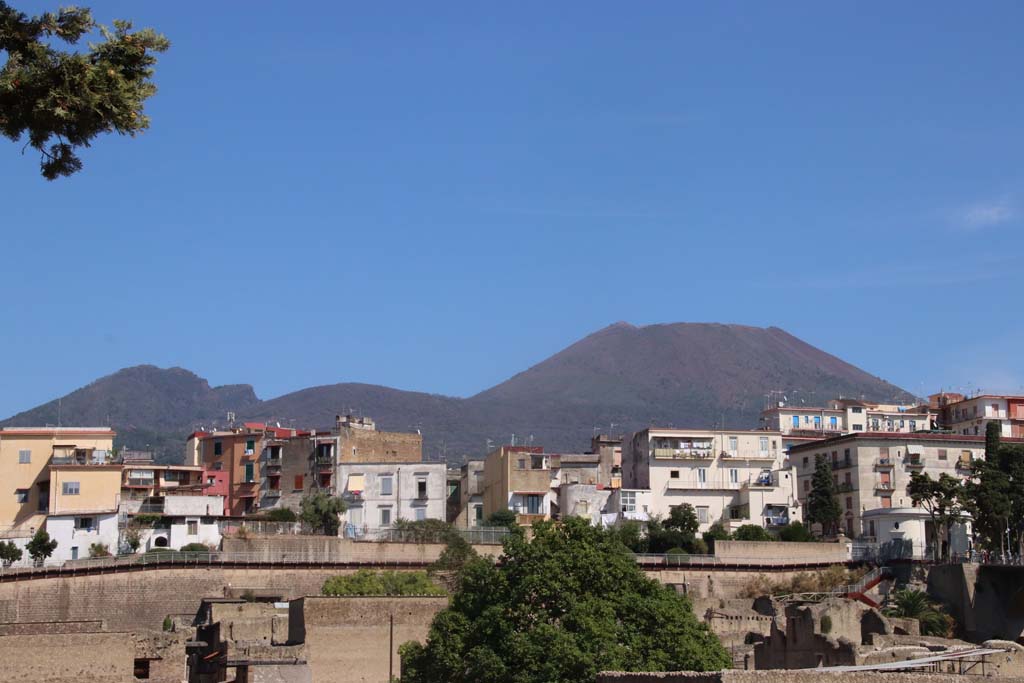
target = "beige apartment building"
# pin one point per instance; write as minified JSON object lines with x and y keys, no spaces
{"x":872,"y":470}
{"x":736,"y":477}
{"x":969,"y":416}
{"x":25,"y":458}
{"x":519,"y":478}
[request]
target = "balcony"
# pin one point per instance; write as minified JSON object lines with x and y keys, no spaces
{"x":842,"y":464}
{"x":684,"y":453}
{"x":845,"y":487}
{"x":913,"y":463}
{"x":523,"y":519}
{"x":695,"y":485}
{"x":755,"y":455}
{"x":324,"y":465}
{"x":883,"y":486}
{"x":884,"y":463}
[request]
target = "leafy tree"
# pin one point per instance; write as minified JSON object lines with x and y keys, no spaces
{"x":683,"y":518}
{"x":914,"y":604}
{"x":9,"y":552}
{"x":320,"y":511}
{"x":502,"y":518}
{"x":421,"y":530}
{"x":944,"y":501}
{"x":40,"y":547}
{"x":281,"y":515}
{"x":133,"y":539}
{"x":99,"y":550}
{"x":752,"y":532}
{"x":822,"y":504}
{"x":366,"y":582}
{"x":795,"y":532}
{"x":558,"y":609}
{"x":630,"y":533}
{"x":717,"y":532}
{"x":63,"y":100}
{"x":451,"y":564}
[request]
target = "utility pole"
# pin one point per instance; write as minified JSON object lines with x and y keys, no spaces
{"x":391,"y":647}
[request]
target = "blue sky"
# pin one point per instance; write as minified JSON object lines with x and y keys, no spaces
{"x":435,"y":196}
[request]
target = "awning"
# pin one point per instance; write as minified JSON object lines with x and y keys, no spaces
{"x":355,"y":483}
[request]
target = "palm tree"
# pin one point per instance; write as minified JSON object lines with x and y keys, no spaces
{"x":914,"y":604}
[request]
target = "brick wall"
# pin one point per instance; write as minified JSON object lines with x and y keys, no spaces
{"x":347,"y":637}
{"x":68,"y":658}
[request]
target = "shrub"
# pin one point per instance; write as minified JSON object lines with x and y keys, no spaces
{"x":281,"y":515}
{"x":505,"y":518}
{"x":717,"y":532}
{"x":676,"y":551}
{"x":421,"y":531}
{"x":752,"y":532}
{"x":366,"y":582}
{"x":41,"y":547}
{"x":133,"y":539}
{"x":320,"y":511}
{"x":195,"y":548}
{"x":99,"y":550}
{"x":168,"y":624}
{"x":795,"y":532}
{"x":915,"y":604}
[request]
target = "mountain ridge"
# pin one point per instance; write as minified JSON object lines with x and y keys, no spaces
{"x":622,"y":377}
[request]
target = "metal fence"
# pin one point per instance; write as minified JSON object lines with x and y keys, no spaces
{"x":475,"y":535}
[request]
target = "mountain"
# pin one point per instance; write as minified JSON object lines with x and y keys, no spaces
{"x":683,"y":375}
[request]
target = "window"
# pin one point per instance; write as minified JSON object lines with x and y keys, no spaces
{"x":385,"y":485}
{"x":250,"y":471}
{"x":734,"y":476}
{"x":965,"y":457}
{"x":85,"y":523}
{"x":858,"y":410}
{"x":24,"y":457}
{"x":522,"y":463}
{"x":74,"y":552}
{"x":817,"y":421}
{"x":807,"y":419}
{"x":702,"y":475}
{"x":421,"y":514}
{"x":943,"y":454}
{"x":218,"y":448}
{"x":193,"y":527}
{"x":385,"y":516}
{"x":250,"y":446}
{"x":884,"y":451}
{"x":733,"y":444}
{"x":298,"y":482}
{"x":846,"y":453}
{"x":796,"y":421}
{"x":807,"y":484}
{"x":629,"y":501}
{"x":70,"y":488}
{"x":479,"y":514}
{"x":847,"y":480}
{"x":274,"y":483}
{"x":871,"y":528}
{"x":887,"y":501}
{"x":849,"y":503}
{"x":763,"y":444}
{"x":533,"y":504}
{"x":833,"y":422}
{"x":21,"y":495}
{"x":421,"y":488}
{"x":673,"y":474}
{"x":805,"y":461}
{"x":913,"y":425}
{"x":702,"y":514}
{"x":210,"y":481}
{"x":858,"y":427}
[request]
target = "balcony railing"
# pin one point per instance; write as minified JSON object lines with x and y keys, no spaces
{"x":684,"y":453}
{"x":884,"y":462}
{"x":842,"y":464}
{"x":524,"y":519}
{"x":913,"y":463}
{"x":883,"y":486}
{"x":844,"y":487}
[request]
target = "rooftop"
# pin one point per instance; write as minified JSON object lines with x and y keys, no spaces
{"x":897,"y":436}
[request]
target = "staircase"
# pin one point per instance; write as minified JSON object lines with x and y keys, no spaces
{"x":859,"y":590}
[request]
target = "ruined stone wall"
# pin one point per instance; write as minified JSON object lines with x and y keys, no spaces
{"x":347,"y":637}
{"x":68,"y":658}
{"x":987,"y":602}
{"x":334,"y":549}
{"x":783,"y":676}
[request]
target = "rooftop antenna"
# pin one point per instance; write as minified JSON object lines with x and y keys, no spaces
{"x":513,"y":439}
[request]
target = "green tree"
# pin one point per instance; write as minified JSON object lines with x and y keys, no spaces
{"x":822,"y":504}
{"x":9,"y":553}
{"x":558,"y":609}
{"x":795,"y":532}
{"x":502,"y":518}
{"x":421,"y":530}
{"x":63,"y":100}
{"x":992,"y":434}
{"x":451,"y":564}
{"x":630,"y":534}
{"x":683,"y":518}
{"x":320,"y":512}
{"x":40,"y":547}
{"x":914,"y":604}
{"x":944,"y":501}
{"x":366,"y":582}
{"x":717,"y":532}
{"x":752,"y":532}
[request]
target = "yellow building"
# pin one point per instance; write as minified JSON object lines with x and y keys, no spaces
{"x":25,"y":458}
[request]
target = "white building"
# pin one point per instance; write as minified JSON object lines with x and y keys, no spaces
{"x":377,"y":494}
{"x":736,"y":477}
{"x":184,"y":519}
{"x":969,"y":416}
{"x":627,"y":505}
{"x":907,"y":533}
{"x":844,"y":416}
{"x":76,"y":533}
